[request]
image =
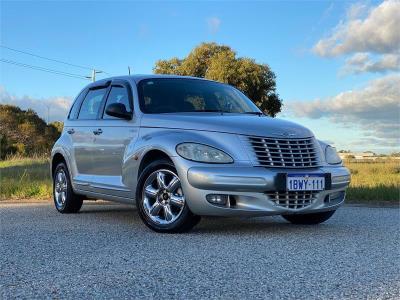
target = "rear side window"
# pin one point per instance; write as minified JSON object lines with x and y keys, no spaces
{"x":73,"y":114}
{"x":118,"y":94}
{"x":91,"y":104}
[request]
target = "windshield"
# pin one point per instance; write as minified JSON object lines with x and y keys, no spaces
{"x":171,"y":95}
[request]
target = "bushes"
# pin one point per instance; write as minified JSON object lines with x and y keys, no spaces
{"x":24,"y":133}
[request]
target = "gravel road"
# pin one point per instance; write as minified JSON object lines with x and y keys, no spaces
{"x":106,"y":252}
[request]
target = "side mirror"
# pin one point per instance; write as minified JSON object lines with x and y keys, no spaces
{"x":118,"y":110}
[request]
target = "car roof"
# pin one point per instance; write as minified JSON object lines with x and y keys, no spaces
{"x":139,"y":77}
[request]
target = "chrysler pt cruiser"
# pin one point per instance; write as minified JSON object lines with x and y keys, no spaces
{"x":181,"y":148}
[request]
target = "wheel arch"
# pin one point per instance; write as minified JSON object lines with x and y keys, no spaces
{"x":150,"y":156}
{"x":56,"y":159}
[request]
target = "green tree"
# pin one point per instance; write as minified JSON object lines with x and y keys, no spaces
{"x":220,"y":63}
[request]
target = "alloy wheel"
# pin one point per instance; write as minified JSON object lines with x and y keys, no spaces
{"x":60,"y":188}
{"x":163,"y":198}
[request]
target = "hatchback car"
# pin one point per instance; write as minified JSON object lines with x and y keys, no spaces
{"x":181,"y":147}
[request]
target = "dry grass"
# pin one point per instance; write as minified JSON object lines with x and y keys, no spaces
{"x":22,"y":178}
{"x":374,"y":181}
{"x":25,"y":178}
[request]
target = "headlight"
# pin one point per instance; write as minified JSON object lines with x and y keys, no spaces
{"x":203,"y":153}
{"x":331,"y":156}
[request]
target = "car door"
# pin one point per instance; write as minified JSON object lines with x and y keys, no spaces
{"x":83,"y":137}
{"x":114,"y":136}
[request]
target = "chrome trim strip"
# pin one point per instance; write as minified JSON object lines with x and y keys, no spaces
{"x":98,"y":186}
{"x":81,"y":183}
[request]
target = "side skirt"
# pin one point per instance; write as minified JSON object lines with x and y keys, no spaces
{"x":94,"y":195}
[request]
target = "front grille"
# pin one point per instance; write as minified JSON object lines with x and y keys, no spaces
{"x":292,"y":200}
{"x":288,"y":153}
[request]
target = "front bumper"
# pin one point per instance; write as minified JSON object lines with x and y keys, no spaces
{"x":249,"y":190}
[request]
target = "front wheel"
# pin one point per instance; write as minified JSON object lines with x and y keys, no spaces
{"x":309,"y":219}
{"x":160,"y":199}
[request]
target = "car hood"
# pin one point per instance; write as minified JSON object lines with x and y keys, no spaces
{"x":228,"y":123}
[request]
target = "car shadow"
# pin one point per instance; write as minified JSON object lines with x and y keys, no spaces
{"x":127,"y":215}
{"x":253,"y":225}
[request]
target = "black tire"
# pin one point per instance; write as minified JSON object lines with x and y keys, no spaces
{"x":309,"y":219}
{"x":186,"y":219}
{"x":72,"y":202}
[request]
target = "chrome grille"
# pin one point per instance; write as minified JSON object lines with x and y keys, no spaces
{"x":288,"y":153}
{"x":292,"y":200}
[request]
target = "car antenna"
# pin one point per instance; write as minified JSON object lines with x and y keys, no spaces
{"x":129,"y":70}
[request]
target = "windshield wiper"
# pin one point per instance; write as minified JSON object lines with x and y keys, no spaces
{"x":211,"y":110}
{"x":258,"y":113}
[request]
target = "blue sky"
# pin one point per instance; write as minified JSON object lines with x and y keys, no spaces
{"x":112,"y":35}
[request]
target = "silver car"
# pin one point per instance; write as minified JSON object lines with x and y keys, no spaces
{"x":182,"y":147}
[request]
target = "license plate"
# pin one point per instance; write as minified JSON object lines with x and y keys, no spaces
{"x":305,"y":182}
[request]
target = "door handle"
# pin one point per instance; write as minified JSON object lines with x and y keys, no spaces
{"x":98,"y":131}
{"x":71,"y":131}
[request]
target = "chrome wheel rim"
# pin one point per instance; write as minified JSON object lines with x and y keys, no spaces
{"x":60,"y":188}
{"x":163,"y":198}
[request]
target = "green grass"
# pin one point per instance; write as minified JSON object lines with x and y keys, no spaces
{"x":23,"y":178}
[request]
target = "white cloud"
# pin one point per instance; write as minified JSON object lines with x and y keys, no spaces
{"x":362,"y":62}
{"x":378,"y":32}
{"x":213,"y":24}
{"x":56,"y":106}
{"x":366,"y":31}
{"x":357,"y":10}
{"x":375,"y":109}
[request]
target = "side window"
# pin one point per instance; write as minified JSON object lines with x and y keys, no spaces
{"x":73,"y":113}
{"x":118,"y":94}
{"x":91,"y":104}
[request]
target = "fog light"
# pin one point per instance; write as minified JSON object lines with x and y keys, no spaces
{"x":217,"y":199}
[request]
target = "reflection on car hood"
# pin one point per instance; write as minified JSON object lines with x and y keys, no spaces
{"x":229,"y":123}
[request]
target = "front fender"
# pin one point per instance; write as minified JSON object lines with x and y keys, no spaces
{"x":166,"y":140}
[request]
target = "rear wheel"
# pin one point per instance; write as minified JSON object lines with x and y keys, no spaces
{"x":309,"y":219}
{"x":160,"y":199}
{"x":65,"y":200}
